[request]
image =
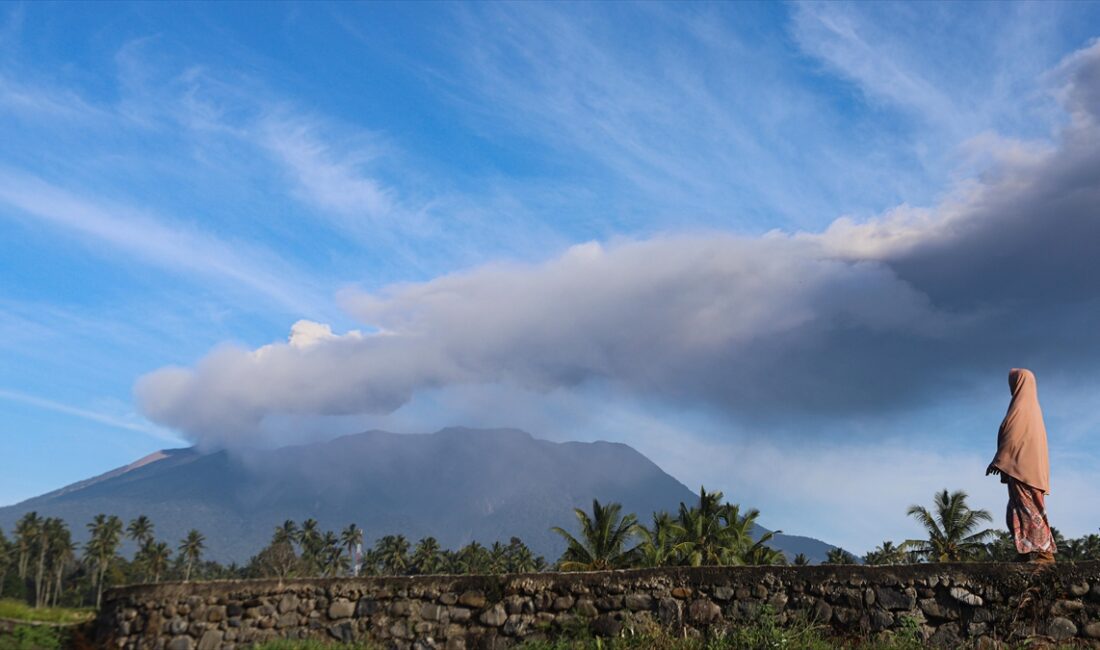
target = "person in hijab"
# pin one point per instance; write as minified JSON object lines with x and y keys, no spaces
{"x":1023,"y":463}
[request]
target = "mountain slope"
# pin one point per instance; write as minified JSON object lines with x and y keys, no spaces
{"x":457,"y":484}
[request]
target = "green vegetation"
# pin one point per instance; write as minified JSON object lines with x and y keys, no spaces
{"x":710,"y":533}
{"x":34,"y":637}
{"x":21,"y":611}
{"x":764,"y":633}
{"x":310,"y":645}
{"x":603,"y":541}
{"x":953,"y":534}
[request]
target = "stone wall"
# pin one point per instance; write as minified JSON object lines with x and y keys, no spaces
{"x":950,"y":605}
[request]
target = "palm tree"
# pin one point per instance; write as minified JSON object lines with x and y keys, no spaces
{"x":26,"y":530}
{"x":140,"y":530}
{"x":663,"y":544}
{"x":287,"y":533}
{"x":745,"y":549}
{"x":886,"y":553}
{"x":190,"y":550}
{"x":718,"y":534}
{"x":953,"y":534}
{"x":520,"y":558}
{"x":801,"y":560}
{"x":604,"y":537}
{"x":760,"y":555}
{"x":332,"y":558}
{"x":7,"y":557}
{"x":472,"y":558}
{"x":106,"y":532}
{"x":393,"y":553}
{"x":43,"y":536}
{"x":839,"y":556}
{"x":309,"y":538}
{"x":426,"y":558}
{"x":156,"y":557}
{"x":498,"y":558}
{"x":352,"y":539}
{"x":1001,"y":547}
{"x":62,"y":553}
{"x":279,"y":557}
{"x":1092,"y":546}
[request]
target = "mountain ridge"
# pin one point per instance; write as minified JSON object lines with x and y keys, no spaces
{"x":457,"y":484}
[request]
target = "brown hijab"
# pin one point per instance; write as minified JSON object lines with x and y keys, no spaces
{"x":1022,"y":440}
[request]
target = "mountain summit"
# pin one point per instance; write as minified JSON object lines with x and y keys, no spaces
{"x":457,"y":484}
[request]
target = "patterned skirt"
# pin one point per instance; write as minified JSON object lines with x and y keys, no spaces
{"x":1027,"y":519}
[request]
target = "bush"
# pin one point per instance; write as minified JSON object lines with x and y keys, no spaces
{"x":32,"y":637}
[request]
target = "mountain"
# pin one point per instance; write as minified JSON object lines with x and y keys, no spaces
{"x":457,"y":484}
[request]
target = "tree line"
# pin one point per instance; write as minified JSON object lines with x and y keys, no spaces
{"x":43,"y":566}
{"x":718,"y":534}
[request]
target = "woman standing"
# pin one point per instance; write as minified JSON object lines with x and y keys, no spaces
{"x":1023,"y":463}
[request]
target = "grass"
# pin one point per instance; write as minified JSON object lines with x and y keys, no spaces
{"x":20,"y":611}
{"x":762,"y":634}
{"x":33,"y":637}
{"x":310,"y":645}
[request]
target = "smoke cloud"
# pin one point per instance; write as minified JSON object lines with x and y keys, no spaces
{"x":863,"y":317}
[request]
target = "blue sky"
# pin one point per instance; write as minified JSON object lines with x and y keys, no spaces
{"x":730,"y":235}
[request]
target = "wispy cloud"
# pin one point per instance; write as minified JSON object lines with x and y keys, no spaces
{"x":333,"y":181}
{"x":954,"y":87}
{"x":706,"y":125}
{"x":153,"y":241}
{"x":859,"y":51}
{"x":134,"y":423}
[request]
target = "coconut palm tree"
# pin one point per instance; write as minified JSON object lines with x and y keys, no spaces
{"x":287,"y":533}
{"x":604,"y":539}
{"x":1001,"y":547}
{"x":26,"y":531}
{"x":426,"y":557}
{"x":953,"y":530}
{"x":393,"y":553}
{"x":718,"y":534}
{"x":472,"y":558}
{"x":42,"y":538}
{"x":886,"y":553}
{"x":801,"y":560}
{"x":280,"y":558}
{"x":332,"y":559}
{"x":663,"y":543}
{"x":520,"y":558}
{"x":157,"y":555}
{"x":1091,"y":546}
{"x":352,"y":539}
{"x":190,"y":551}
{"x":309,"y":539}
{"x":106,"y":533}
{"x":62,"y":554}
{"x":839,"y":556}
{"x":760,"y":554}
{"x":498,"y":558}
{"x":744,"y":549}
{"x":7,"y":558}
{"x":140,"y":530}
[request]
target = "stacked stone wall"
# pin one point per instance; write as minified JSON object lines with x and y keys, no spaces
{"x":948,"y":605}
